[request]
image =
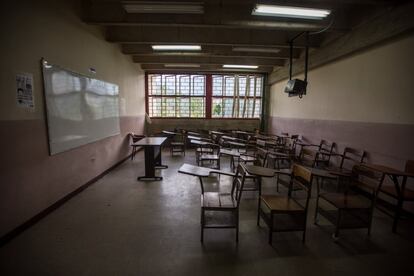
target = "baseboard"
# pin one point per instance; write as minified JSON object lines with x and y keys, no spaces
{"x":29,"y":223}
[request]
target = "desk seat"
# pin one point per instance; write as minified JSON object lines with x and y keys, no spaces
{"x":281,"y":203}
{"x":390,"y":190}
{"x":213,"y":200}
{"x":342,"y":201}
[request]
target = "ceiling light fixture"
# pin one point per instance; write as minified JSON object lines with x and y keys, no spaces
{"x":257,"y":50}
{"x":234,"y":66}
{"x":189,"y":65}
{"x":286,"y":11}
{"x":176,"y":47}
{"x":163,"y":7}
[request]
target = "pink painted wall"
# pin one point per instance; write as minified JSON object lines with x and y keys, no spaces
{"x":388,"y":144}
{"x":30,"y":179}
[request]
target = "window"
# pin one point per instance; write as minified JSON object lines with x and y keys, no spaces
{"x":176,"y":95}
{"x":186,"y":95}
{"x":236,"y":96}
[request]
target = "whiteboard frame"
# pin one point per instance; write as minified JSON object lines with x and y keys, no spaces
{"x":44,"y":62}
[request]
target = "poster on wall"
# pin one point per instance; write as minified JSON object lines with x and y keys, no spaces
{"x":24,"y":90}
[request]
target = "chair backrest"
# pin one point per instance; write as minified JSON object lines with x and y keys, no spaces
{"x":238,"y":182}
{"x":290,"y":143}
{"x":260,"y":143}
{"x":134,"y":137}
{"x":261,"y":157}
{"x":409,"y":166}
{"x":178,"y":137}
{"x":369,"y":179}
{"x":353,"y":156}
{"x":301,"y":177}
{"x":326,"y":146}
{"x":308,"y":156}
{"x":222,"y":142}
{"x":214,"y":147}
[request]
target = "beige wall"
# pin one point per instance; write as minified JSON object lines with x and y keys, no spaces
{"x":364,"y":101}
{"x":31,"y":180}
{"x":372,"y":86}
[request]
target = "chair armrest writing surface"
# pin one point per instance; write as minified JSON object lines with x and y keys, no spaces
{"x":222,"y":172}
{"x":194,"y":170}
{"x":322,"y":173}
{"x":201,"y":171}
{"x":169,"y":132}
{"x":260,"y":171}
{"x":229,"y":152}
{"x":284,"y":171}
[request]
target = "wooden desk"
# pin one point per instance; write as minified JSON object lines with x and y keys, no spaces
{"x":201,"y":172}
{"x":399,"y":186}
{"x":152,"y":147}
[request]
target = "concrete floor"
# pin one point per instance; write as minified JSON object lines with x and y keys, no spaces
{"x":119,"y":226}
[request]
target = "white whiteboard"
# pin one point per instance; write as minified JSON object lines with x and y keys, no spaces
{"x":79,"y":109}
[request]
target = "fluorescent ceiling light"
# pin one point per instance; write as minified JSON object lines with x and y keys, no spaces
{"x":163,"y":7}
{"x":286,"y":11}
{"x":189,"y":65}
{"x":240,"y":66}
{"x":176,"y":47}
{"x":257,"y":50}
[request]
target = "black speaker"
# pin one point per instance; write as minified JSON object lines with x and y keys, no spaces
{"x":296,"y":87}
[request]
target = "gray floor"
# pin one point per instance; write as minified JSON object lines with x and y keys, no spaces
{"x":119,"y":226}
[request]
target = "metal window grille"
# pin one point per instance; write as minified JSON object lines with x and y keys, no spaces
{"x":236,"y":96}
{"x":177,"y":96}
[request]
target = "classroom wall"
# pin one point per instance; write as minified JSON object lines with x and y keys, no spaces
{"x":30,"y":179}
{"x":363,"y":101}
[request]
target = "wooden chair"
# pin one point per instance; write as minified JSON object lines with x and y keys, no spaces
{"x":212,"y":156}
{"x":177,"y":144}
{"x":407,"y":194}
{"x":221,"y":210}
{"x":287,"y":213}
{"x":307,"y":157}
{"x":253,"y":183}
{"x":325,"y":151}
{"x":349,"y":209}
{"x":134,"y":138}
{"x":348,"y":159}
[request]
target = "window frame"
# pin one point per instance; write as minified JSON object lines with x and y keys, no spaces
{"x":208,"y":95}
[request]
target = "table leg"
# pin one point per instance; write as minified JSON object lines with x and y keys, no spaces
{"x":400,"y":193}
{"x":158,"y":160}
{"x":149,"y":166}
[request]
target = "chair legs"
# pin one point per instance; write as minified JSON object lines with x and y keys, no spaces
{"x":202,"y":226}
{"x":237,"y":226}
{"x":271,"y":230}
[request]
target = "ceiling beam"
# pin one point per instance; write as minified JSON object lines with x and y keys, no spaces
{"x":203,"y":68}
{"x":217,"y":14}
{"x":210,"y":50}
{"x":205,"y":36}
{"x":208,"y":60}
